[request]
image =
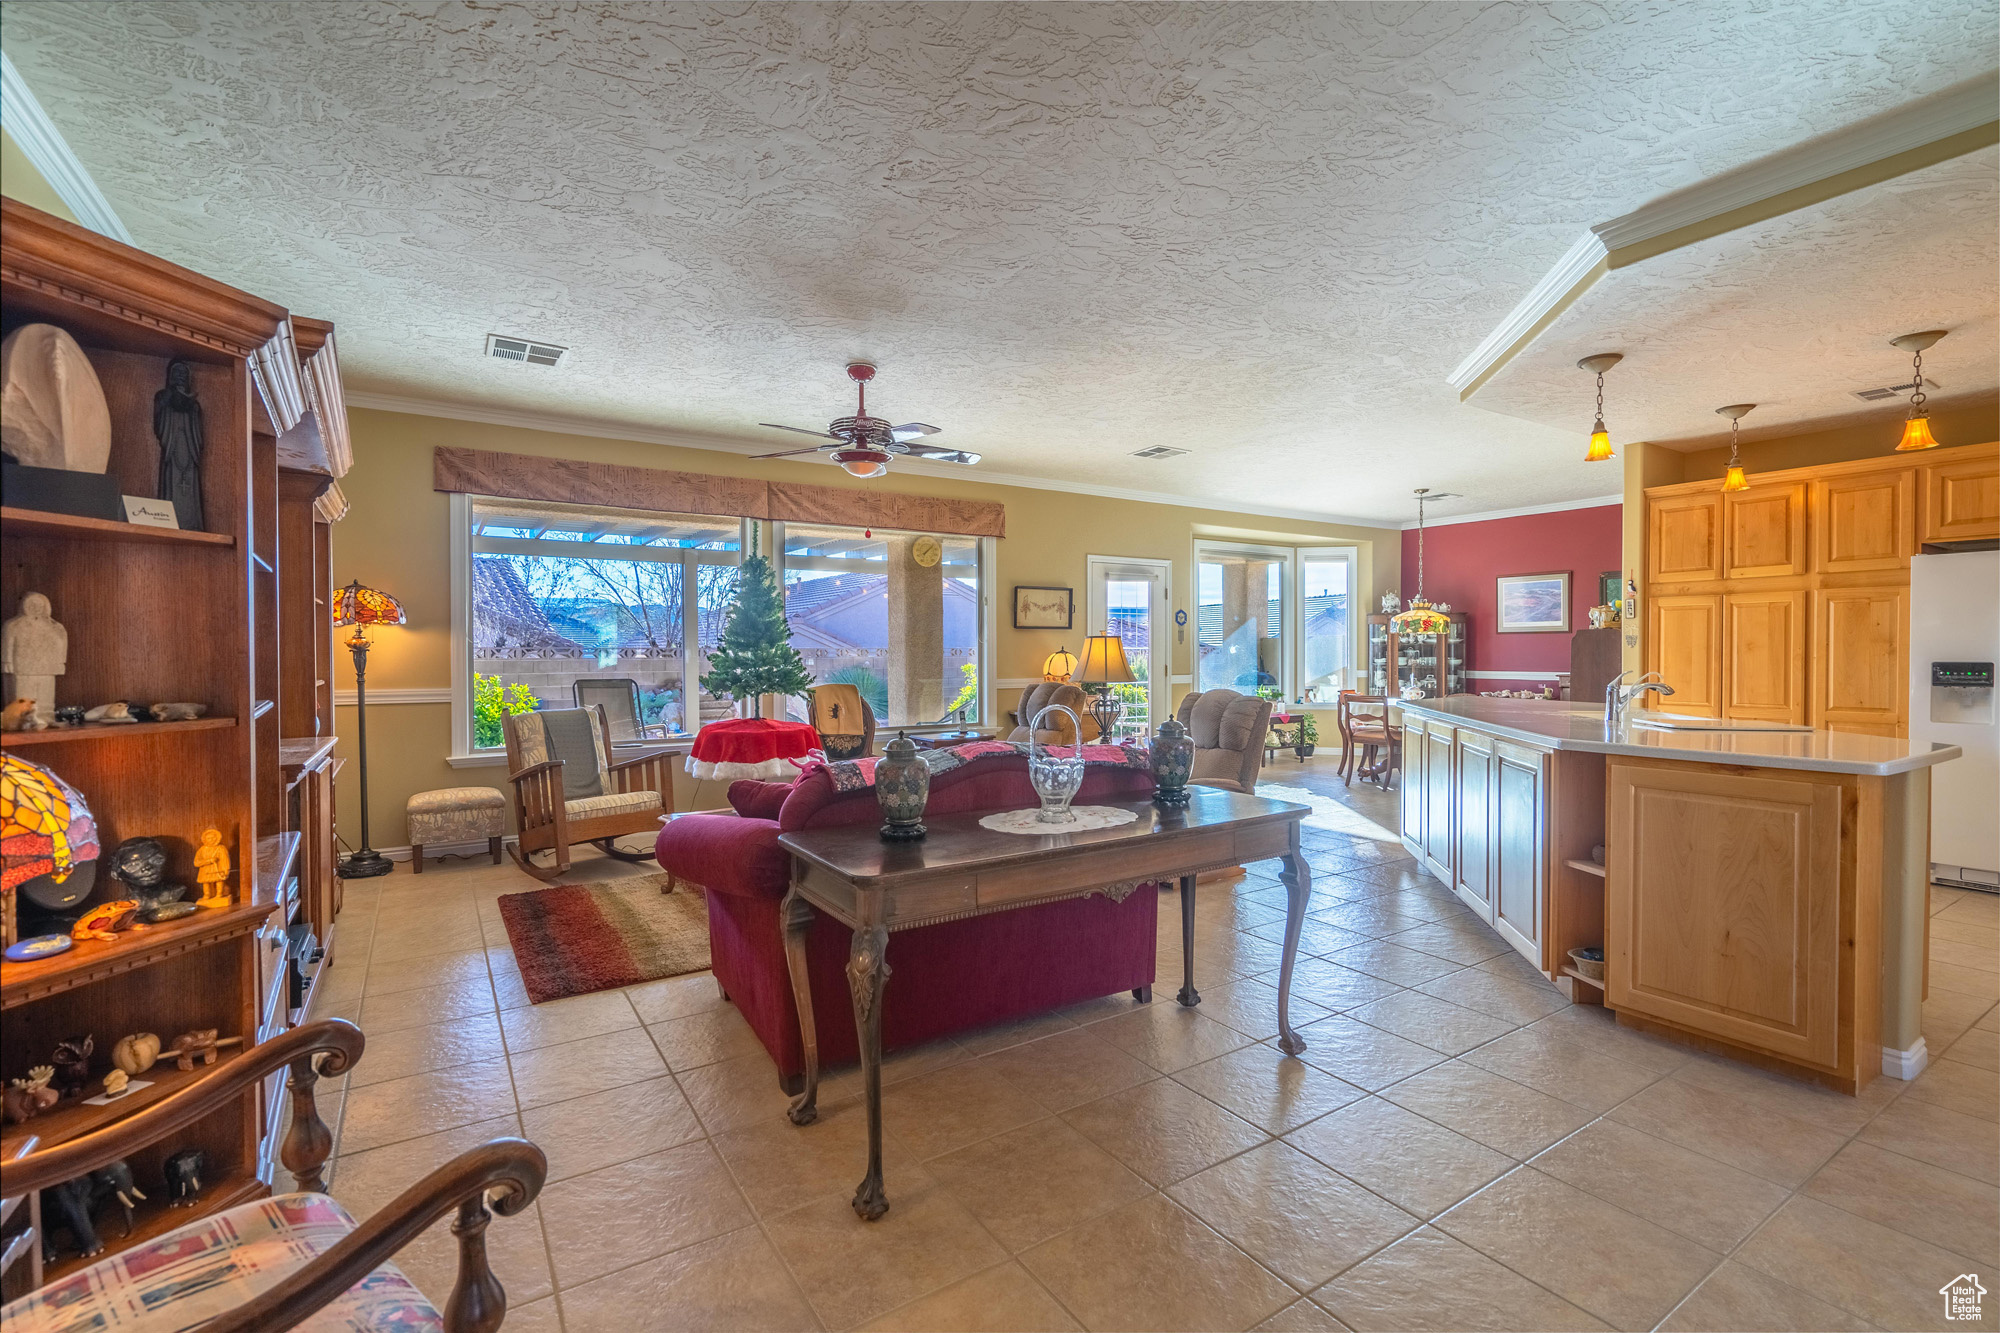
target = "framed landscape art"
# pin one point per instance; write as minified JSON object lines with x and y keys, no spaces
{"x":1044,"y":608}
{"x":1533,"y":603}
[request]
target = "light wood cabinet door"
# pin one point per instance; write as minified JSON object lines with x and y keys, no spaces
{"x":1472,"y":864}
{"x":1962,"y":500}
{"x":1864,"y":522}
{"x":1519,"y":796}
{"x":1437,"y":799}
{"x":1723,"y":906}
{"x":1861,"y":649}
{"x":1684,"y":644}
{"x":1763,"y":656}
{"x":1684,"y":538}
{"x":1410,"y":793}
{"x":1764,"y":531}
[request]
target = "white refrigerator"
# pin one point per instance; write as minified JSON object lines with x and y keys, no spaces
{"x":1954,"y":642}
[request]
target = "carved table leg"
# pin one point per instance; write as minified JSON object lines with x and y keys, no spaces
{"x":1297,"y":877}
{"x":795,"y":918}
{"x":1189,"y":995}
{"x":867,"y":973}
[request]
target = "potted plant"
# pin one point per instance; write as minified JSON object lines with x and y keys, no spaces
{"x":1305,"y":736}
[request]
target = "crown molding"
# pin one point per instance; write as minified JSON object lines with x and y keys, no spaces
{"x":557,"y":423}
{"x":43,"y":145}
{"x":1929,"y":121}
{"x":1560,"y":506}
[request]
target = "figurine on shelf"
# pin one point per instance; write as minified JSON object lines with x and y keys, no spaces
{"x":178,"y":712}
{"x":137,"y":1053}
{"x":116,"y":1082}
{"x":72,"y":1062}
{"x":55,"y":415}
{"x":20,"y":715}
{"x":28,"y":1097}
{"x":200,"y":1044}
{"x":34,"y":650}
{"x":68,"y":1205}
{"x":177,"y":426}
{"x":114,"y":1181}
{"x":104,"y":921}
{"x":141,"y":865}
{"x":184,"y":1170}
{"x":69,"y":715}
{"x":116,"y":711}
{"x":211,"y":869}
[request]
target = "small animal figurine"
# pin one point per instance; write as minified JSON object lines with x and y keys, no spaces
{"x":135,"y":1054}
{"x":211,"y":869}
{"x":72,"y":1063}
{"x":21,"y":716}
{"x":184,"y":1171}
{"x":105,"y":921}
{"x":28,"y":1097}
{"x":115,"y":1082}
{"x":69,"y":715}
{"x":68,"y":1205}
{"x":200,"y":1044}
{"x":114,"y":1181}
{"x":118,"y":711}
{"x":178,"y":712}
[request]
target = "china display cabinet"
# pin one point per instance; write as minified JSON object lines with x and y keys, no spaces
{"x":1437,"y":662}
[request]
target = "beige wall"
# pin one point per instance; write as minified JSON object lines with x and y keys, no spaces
{"x":396,"y":537}
{"x":1647,"y":465}
{"x":20,"y":180}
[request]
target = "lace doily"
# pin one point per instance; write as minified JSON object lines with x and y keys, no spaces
{"x":1085,"y":817}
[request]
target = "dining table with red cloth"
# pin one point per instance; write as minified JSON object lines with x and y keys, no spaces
{"x":751,"y":747}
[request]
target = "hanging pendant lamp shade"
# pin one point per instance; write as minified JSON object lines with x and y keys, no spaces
{"x":1600,"y":438}
{"x":1917,"y":425}
{"x":1421,"y":617}
{"x":1734,"y":480}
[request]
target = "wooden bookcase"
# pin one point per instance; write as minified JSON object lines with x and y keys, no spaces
{"x":227,"y":617}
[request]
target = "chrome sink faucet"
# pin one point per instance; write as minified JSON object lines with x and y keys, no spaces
{"x":1619,"y":697}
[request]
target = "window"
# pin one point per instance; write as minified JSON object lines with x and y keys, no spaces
{"x":1273,"y":618}
{"x":560,"y":594}
{"x":865,"y":611}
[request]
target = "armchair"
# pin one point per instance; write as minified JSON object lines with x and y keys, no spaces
{"x":274,"y":1263}
{"x":568,"y":790}
{"x":619,"y":697}
{"x":1039,"y":696}
{"x":1228,"y":730}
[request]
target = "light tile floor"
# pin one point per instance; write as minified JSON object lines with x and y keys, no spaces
{"x":1459,"y":1147}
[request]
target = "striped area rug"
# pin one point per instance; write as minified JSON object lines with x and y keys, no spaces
{"x":572,"y":939}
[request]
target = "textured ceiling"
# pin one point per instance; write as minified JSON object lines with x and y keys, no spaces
{"x":1793,"y":314}
{"x":1263,"y":233}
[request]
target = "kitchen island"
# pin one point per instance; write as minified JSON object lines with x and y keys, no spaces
{"x":1760,"y":893}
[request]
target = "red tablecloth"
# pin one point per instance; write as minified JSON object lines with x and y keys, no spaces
{"x":750,"y":747}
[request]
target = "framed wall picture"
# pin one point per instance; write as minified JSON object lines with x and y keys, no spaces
{"x":1044,"y":608}
{"x":1610,"y":587}
{"x":1533,"y":604}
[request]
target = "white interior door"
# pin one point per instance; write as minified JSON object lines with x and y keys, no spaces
{"x":1128,"y":597}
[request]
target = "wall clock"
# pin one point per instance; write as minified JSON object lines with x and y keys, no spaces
{"x":927,"y":551}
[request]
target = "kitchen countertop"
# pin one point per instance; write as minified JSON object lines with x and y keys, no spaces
{"x":1578,"y":726}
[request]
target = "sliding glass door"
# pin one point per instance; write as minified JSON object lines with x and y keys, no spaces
{"x":1128,"y":598}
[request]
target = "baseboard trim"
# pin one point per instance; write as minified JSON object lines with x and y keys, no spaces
{"x":1905,"y":1065}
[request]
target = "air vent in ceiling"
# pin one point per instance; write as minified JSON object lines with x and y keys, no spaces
{"x":1158,"y":451}
{"x":1890,"y":391}
{"x":521,"y":349}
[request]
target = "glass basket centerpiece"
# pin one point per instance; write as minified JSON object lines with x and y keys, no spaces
{"x":1056,"y":777}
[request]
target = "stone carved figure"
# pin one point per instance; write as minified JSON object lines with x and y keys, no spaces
{"x":211,"y":869}
{"x":52,"y":408}
{"x":34,"y":650}
{"x":177,"y":426}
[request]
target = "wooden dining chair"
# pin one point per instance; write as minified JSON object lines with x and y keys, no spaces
{"x":1362,"y":735}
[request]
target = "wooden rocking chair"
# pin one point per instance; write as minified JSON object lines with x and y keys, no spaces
{"x":567,"y":790}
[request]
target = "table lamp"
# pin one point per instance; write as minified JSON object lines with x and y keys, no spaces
{"x":1102,"y":666}
{"x":361,"y":607}
{"x":1058,"y":665}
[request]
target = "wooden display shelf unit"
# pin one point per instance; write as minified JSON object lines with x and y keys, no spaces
{"x":107,"y":731}
{"x":73,"y":1118}
{"x":155,"y":1217}
{"x":16,"y":522}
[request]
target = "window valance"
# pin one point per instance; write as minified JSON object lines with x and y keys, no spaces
{"x":577,"y":481}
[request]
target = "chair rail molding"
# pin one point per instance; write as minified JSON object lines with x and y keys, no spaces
{"x":43,"y":145}
{"x":439,"y":695}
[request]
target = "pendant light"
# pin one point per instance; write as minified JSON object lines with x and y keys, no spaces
{"x":1734,"y":480}
{"x":1600,"y":438}
{"x":1917,"y":426}
{"x":1422,"y":617}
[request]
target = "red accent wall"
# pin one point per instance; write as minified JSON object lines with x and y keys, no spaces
{"x":1462,"y":560}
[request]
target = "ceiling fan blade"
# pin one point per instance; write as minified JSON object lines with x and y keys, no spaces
{"x":801,"y":430}
{"x":790,"y":453}
{"x":936,"y":455}
{"x":912,"y":431}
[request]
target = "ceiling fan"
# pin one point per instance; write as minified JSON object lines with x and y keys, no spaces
{"x":863,"y":445}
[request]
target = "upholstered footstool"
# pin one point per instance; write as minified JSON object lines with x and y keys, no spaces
{"x":455,"y":814}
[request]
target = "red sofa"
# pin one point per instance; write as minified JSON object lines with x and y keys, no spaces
{"x":944,"y":978}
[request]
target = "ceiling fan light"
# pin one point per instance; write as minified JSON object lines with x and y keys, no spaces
{"x":862,"y":463}
{"x":1600,"y":446}
{"x":1916,"y":435}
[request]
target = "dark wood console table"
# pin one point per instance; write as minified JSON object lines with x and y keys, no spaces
{"x":876,"y":887}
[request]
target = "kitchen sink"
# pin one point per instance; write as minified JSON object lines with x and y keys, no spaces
{"x":1686,"y":722}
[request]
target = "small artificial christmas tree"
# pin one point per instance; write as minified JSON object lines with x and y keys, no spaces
{"x":756,"y":656}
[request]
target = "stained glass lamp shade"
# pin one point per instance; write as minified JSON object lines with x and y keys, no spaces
{"x":1421,"y":618}
{"x":47,"y":835}
{"x":357,"y":604}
